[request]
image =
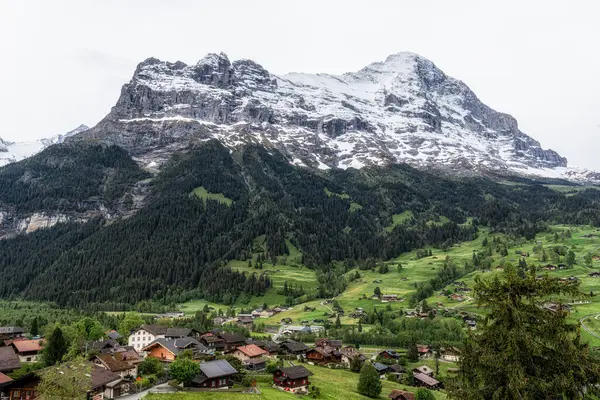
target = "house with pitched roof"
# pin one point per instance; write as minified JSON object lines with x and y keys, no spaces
{"x":249,"y":352}
{"x":28,"y":350}
{"x":9,"y":361}
{"x":11,"y":332}
{"x":292,"y":379}
{"x":123,"y":363}
{"x":168,"y":350}
{"x":214,"y":374}
{"x":401,"y":395}
{"x":146,"y":334}
{"x":232,"y":340}
{"x":293,"y":347}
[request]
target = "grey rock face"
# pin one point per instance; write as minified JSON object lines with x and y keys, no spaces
{"x":403,"y":109}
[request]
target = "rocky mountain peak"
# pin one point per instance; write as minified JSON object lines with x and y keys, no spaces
{"x":400,"y":110}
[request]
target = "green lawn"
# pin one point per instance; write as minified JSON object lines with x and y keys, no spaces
{"x":204,"y":194}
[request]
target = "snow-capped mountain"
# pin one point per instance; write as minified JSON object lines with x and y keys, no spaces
{"x":403,"y":109}
{"x":17,"y":151}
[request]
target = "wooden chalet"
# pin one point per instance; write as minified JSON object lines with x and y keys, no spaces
{"x":251,"y":356}
{"x":212,"y":341}
{"x":426,"y":381}
{"x":168,"y":350}
{"x":401,"y":395}
{"x":382,"y":369}
{"x":232,"y":340}
{"x":271,"y":348}
{"x":292,"y":379}
{"x":424,"y":350}
{"x":389,"y":354}
{"x":23,"y":388}
{"x":324,"y":355}
{"x":349,"y":353}
{"x":214,"y":374}
{"x":123,"y":363}
{"x":293,"y":347}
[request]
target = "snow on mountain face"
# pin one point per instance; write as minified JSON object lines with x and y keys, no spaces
{"x":17,"y":151}
{"x":403,"y":109}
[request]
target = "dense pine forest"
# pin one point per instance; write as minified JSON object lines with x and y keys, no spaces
{"x":180,"y":242}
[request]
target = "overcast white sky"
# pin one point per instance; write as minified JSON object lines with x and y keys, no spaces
{"x":63,"y":62}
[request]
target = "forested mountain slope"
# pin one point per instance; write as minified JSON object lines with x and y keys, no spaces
{"x":208,"y":204}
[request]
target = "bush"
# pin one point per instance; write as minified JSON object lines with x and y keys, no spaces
{"x":424,"y":394}
{"x":150,"y":366}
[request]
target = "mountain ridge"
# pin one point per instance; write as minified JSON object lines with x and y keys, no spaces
{"x":401,"y":110}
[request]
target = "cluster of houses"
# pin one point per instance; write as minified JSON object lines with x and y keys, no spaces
{"x":247,"y":320}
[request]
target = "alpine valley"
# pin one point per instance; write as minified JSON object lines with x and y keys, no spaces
{"x":198,"y":168}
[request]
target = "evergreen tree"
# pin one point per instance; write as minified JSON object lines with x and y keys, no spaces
{"x":377,"y":291}
{"x":588,"y":260}
{"x":56,"y":348}
{"x":570,"y":258}
{"x":412,"y":353}
{"x":369,"y":383}
{"x":523,"y":350}
{"x":338,"y":324}
{"x":34,"y":330}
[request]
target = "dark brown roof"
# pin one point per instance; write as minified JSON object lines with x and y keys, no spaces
{"x":214,"y":369}
{"x":401,"y":395}
{"x":120,"y":361}
{"x":9,"y":361}
{"x":294,"y":347}
{"x":154,"y":329}
{"x":102,"y":376}
{"x":178,"y":332}
{"x":296,"y":372}
{"x":233,"y":337}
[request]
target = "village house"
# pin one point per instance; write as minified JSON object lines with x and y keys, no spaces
{"x":389,"y":354}
{"x":397,"y":370}
{"x":123,"y":363}
{"x":214,"y":374}
{"x":106,"y":383}
{"x":212,"y":341}
{"x":389,"y":297}
{"x":292,"y":379}
{"x":457,"y":297}
{"x":382,"y":369}
{"x":11,"y":332}
{"x":180,"y":333}
{"x":232,"y":340}
{"x":28,"y":350}
{"x":401,"y":395}
{"x":426,"y":381}
{"x":324,"y":342}
{"x":294,"y":348}
{"x":22,"y":388}
{"x":9,"y":361}
{"x":296,"y":329}
{"x":594,"y":274}
{"x":245,"y":322}
{"x":424,"y":351}
{"x":251,"y":356}
{"x":271,"y":348}
{"x":218,"y":321}
{"x":168,"y":350}
{"x":145,"y":335}
{"x":348,"y":354}
{"x":424,"y":369}
{"x":112,"y":334}
{"x":324,"y":355}
{"x":450,"y":354}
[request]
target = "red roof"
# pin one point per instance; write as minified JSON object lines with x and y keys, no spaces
{"x":4,"y":378}
{"x":252,"y":350}
{"x":25,"y":346}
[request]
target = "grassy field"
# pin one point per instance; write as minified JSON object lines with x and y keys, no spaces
{"x":334,"y":384}
{"x":204,"y":194}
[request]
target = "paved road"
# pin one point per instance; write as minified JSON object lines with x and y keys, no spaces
{"x":164,"y":388}
{"x":588,"y":330}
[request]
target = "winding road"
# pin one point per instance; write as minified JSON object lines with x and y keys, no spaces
{"x":588,"y":330}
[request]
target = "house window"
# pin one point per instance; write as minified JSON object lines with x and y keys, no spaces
{"x":213,"y":383}
{"x":28,"y":359}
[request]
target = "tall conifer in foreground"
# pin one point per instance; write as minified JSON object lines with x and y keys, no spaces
{"x":526,"y":348}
